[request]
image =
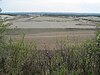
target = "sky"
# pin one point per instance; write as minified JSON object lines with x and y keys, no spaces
{"x":78,"y":6}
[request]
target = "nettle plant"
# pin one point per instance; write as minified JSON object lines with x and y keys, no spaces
{"x":98,"y":35}
{"x":98,"y":40}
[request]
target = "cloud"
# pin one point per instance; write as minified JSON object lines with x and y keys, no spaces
{"x":51,"y":5}
{"x":90,"y":7}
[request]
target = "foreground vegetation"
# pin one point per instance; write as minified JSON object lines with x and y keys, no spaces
{"x":20,"y":58}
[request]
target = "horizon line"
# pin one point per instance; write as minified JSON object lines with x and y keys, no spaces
{"x":48,"y":12}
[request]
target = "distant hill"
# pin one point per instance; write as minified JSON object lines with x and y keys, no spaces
{"x":50,"y":13}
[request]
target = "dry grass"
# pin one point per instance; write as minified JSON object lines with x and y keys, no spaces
{"x":50,"y":39}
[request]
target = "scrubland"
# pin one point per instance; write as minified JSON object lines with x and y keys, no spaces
{"x":50,"y":52}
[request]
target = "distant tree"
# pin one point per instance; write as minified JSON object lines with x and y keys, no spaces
{"x":0,"y":9}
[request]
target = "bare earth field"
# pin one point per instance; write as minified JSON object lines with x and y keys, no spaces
{"x":51,"y":22}
{"x":48,"y":32}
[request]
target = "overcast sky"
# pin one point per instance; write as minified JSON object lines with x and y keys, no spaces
{"x":82,"y":6}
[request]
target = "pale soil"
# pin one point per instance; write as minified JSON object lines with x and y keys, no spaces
{"x":51,"y":22}
{"x":47,"y":39}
